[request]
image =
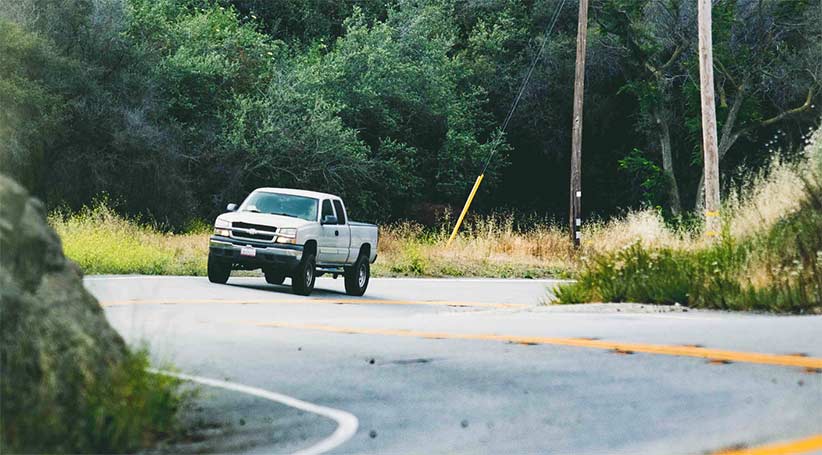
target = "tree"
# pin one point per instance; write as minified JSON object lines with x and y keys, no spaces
{"x":656,"y":39}
{"x":768,"y":67}
{"x":397,"y":83}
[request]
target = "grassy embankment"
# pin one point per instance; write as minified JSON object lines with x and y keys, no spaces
{"x":102,"y":242}
{"x":769,"y":256}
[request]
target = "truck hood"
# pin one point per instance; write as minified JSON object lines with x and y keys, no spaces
{"x":265,"y":219}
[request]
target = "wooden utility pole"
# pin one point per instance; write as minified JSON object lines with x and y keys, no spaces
{"x":709,"y":141}
{"x":575,"y":217}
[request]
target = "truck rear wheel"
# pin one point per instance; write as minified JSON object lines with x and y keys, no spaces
{"x":304,"y":276}
{"x":358,"y":276}
{"x":218,"y":271}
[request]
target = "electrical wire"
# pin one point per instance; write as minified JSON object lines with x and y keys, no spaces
{"x":508,"y":118}
{"x":525,"y":81}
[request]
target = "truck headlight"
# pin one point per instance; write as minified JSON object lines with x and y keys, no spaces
{"x":220,"y":227}
{"x":287,"y":235}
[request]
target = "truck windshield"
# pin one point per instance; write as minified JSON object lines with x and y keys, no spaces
{"x":281,"y":204}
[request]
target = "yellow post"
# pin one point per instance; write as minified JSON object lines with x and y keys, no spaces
{"x":465,"y":210}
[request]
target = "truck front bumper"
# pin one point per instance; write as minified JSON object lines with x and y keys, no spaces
{"x":278,"y":256}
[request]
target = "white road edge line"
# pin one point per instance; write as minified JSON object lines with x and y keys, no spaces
{"x":347,"y":423}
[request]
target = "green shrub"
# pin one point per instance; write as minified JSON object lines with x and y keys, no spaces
{"x":778,"y":270}
{"x":132,"y":409}
{"x":664,"y":275}
{"x":125,"y":410}
{"x":412,"y":262}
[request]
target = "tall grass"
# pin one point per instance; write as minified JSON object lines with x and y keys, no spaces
{"x":769,"y":256}
{"x":104,"y":242}
{"x":487,"y":246}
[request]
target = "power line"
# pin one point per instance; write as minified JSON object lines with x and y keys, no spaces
{"x":507,"y":121}
{"x":524,"y":84}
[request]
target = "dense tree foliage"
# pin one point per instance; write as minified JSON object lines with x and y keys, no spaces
{"x":176,"y":107}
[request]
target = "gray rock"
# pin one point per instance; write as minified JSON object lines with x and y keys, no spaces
{"x":54,"y":338}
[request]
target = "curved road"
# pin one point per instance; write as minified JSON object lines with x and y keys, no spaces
{"x":476,"y":366}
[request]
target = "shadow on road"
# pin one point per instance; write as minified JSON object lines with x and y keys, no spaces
{"x":286,"y":289}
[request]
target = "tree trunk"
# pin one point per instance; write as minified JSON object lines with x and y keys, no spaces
{"x":668,"y":164}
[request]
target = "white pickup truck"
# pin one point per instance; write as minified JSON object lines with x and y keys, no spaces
{"x":293,"y":233}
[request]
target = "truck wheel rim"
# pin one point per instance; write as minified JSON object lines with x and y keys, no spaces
{"x":309,"y":273}
{"x":361,"y":276}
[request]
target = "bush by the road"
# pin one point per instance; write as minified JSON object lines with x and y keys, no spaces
{"x":769,"y":257}
{"x":69,"y":384}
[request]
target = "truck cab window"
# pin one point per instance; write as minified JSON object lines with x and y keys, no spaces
{"x":327,"y":210}
{"x":340,"y":212}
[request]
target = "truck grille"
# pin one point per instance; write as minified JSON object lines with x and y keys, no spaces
{"x":258,"y":227}
{"x":253,"y":231}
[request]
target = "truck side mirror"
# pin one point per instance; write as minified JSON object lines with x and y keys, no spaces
{"x":329,"y":219}
{"x":231,"y":207}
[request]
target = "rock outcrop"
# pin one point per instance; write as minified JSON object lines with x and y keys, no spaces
{"x":55,"y":341}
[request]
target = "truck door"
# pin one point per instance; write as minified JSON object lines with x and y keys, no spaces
{"x":345,"y":238}
{"x":334,"y":238}
{"x":327,"y":243}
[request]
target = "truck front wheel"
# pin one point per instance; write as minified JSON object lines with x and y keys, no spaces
{"x":304,"y":276}
{"x":218,"y":271}
{"x":358,"y":276}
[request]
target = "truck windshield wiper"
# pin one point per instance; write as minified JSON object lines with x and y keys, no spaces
{"x":283,"y":214}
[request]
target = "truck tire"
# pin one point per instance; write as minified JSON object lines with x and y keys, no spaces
{"x":274,"y":277}
{"x":358,"y":276}
{"x":304,"y":276}
{"x":218,"y":271}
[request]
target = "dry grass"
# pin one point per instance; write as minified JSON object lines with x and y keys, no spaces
{"x":771,"y":196}
{"x":487,"y":246}
{"x":645,"y":227}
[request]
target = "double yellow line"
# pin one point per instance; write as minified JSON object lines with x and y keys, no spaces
{"x":716,"y":355}
{"x":806,"y":445}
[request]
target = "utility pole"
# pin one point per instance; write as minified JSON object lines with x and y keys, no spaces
{"x":709,"y":141}
{"x":575,"y":218}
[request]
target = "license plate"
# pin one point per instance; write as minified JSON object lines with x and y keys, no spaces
{"x":247,"y":251}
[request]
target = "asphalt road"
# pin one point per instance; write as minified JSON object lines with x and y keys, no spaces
{"x":475,"y":366}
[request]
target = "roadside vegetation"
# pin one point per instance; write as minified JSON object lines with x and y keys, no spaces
{"x":488,"y":246}
{"x":122,"y":411}
{"x":768,"y":257}
{"x":102,"y":242}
